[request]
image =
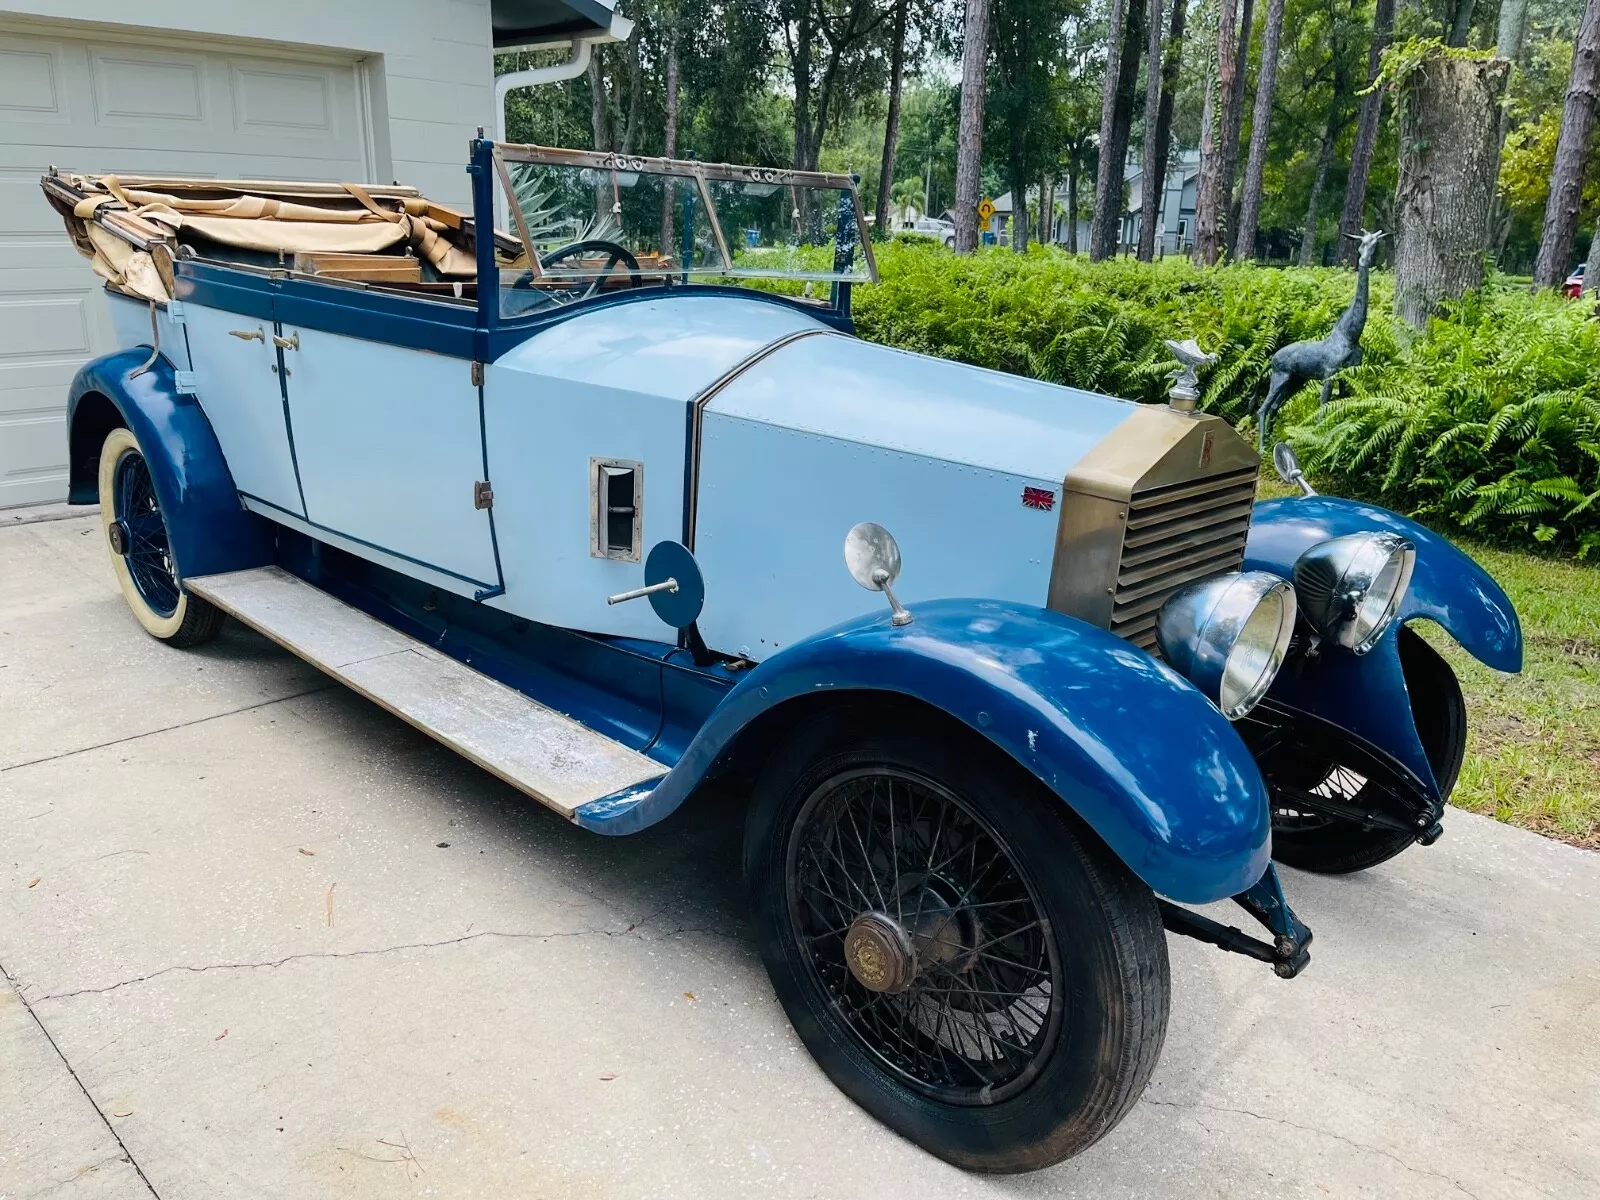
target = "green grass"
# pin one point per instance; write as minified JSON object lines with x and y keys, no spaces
{"x":1533,"y":746}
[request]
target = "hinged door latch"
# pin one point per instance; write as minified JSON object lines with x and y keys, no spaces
{"x":477,"y":374}
{"x":482,"y":494}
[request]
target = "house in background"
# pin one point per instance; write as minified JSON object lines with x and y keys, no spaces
{"x":1175,"y":228}
{"x":1174,"y":233}
{"x":359,"y":90}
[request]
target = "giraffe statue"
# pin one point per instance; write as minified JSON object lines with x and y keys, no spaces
{"x":1299,"y":361}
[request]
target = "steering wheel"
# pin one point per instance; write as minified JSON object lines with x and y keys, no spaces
{"x":615,"y":254}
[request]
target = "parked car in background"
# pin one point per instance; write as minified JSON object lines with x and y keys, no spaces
{"x":594,"y":502}
{"x":1573,"y":287}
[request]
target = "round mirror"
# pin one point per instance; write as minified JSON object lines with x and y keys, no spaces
{"x":872,"y":556}
{"x":1285,"y":462}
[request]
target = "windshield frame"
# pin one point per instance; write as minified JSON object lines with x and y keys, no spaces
{"x":699,"y":172}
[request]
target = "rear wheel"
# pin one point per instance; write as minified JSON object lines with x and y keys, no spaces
{"x":141,"y":551}
{"x":961,"y":957}
{"x":1330,"y":846}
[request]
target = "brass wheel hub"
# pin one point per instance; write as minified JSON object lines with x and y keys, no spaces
{"x":879,"y":953}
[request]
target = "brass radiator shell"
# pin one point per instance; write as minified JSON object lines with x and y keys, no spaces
{"x":1164,"y":500}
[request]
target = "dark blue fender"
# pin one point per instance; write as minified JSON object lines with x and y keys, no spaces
{"x":1367,"y":695}
{"x":209,"y":530}
{"x":1127,"y":742}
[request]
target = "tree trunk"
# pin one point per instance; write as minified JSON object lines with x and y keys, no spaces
{"x":1513,"y":25}
{"x":1448,"y":112}
{"x":891,"y":127}
{"x":1108,"y":174}
{"x":1072,"y":203}
{"x":1232,"y":121}
{"x":1308,"y":238}
{"x":969,"y":135}
{"x":1152,"y":176}
{"x":1461,"y":27}
{"x":598,"y":120}
{"x":1157,"y":148}
{"x":1244,"y":244}
{"x":1122,"y":126}
{"x":1566,"y":180}
{"x":1208,"y":192}
{"x":1019,"y":193}
{"x":1047,"y":210}
{"x":1591,"y":269}
{"x":669,"y":142}
{"x":1352,"y":220}
{"x":800,"y":58}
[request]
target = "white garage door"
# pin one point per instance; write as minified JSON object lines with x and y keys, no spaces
{"x":165,"y":107}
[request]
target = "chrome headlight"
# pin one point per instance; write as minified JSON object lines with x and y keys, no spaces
{"x":1229,"y":635}
{"x":1351,"y":586}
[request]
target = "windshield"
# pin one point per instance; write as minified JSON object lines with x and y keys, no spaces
{"x":592,"y":222}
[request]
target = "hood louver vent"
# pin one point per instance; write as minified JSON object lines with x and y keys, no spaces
{"x":1177,"y":534}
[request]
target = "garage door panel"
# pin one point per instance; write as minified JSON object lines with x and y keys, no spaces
{"x":30,"y":85}
{"x":33,"y":454}
{"x":138,"y":88}
{"x":46,"y":324}
{"x":97,"y":105}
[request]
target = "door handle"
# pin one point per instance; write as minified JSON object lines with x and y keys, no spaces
{"x":292,"y":342}
{"x":248,"y":335}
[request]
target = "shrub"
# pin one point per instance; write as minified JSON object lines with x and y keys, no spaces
{"x":1489,"y":422}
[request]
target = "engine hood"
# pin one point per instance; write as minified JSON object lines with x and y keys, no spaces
{"x":840,"y":387}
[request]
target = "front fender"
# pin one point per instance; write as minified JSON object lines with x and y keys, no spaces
{"x":209,"y":531}
{"x":1367,"y":695}
{"x":1129,"y":744}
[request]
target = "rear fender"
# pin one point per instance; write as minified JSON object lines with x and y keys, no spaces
{"x":1129,"y":744}
{"x":1368,"y":695}
{"x":209,"y":530}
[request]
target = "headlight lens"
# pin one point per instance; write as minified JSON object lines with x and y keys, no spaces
{"x":1229,"y":635}
{"x":1351,"y":586}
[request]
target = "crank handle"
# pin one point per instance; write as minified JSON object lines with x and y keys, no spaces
{"x":666,"y":585}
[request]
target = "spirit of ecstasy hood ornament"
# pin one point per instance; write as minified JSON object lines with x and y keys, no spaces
{"x":1185,"y":393}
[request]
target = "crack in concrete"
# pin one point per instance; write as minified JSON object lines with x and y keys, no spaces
{"x":127,"y":1155}
{"x":1338,"y":1137}
{"x":81,"y":1173}
{"x":134,"y":737}
{"x":270,"y":964}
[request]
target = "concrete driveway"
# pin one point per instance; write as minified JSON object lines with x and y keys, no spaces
{"x":261,"y":939}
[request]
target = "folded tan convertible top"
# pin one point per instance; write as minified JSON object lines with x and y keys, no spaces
{"x":131,"y":227}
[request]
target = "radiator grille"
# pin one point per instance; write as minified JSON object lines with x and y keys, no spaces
{"x":1175,"y":535}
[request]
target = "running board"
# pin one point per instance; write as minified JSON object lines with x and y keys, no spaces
{"x":560,"y":762}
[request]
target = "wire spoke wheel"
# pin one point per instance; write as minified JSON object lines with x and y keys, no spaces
{"x":928,"y":940}
{"x":148,"y":554}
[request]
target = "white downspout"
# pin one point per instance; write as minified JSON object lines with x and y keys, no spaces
{"x":577,"y":63}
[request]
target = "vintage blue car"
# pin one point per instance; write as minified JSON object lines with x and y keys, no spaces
{"x":594,"y":502}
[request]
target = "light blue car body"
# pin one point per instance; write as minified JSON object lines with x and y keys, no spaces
{"x":317,"y":416}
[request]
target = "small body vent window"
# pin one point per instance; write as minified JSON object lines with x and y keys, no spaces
{"x":616,"y":512}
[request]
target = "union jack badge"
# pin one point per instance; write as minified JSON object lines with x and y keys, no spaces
{"x":1036,"y":497}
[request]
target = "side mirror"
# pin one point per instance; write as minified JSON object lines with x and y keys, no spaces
{"x":872,"y":557}
{"x":1288,"y":468}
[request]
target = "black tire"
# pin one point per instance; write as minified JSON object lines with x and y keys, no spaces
{"x":1094,"y":1047}
{"x":131,"y":517}
{"x":1334,"y":847}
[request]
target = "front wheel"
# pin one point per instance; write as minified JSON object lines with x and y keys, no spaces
{"x":141,"y":550}
{"x":964,"y":960}
{"x":1331,"y":846}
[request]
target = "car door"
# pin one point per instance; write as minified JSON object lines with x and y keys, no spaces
{"x":389,"y":443}
{"x":237,"y":381}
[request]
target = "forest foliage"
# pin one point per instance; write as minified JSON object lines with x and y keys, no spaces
{"x":1488,"y":422}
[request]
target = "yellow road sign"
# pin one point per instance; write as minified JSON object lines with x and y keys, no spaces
{"x":985,"y":210}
